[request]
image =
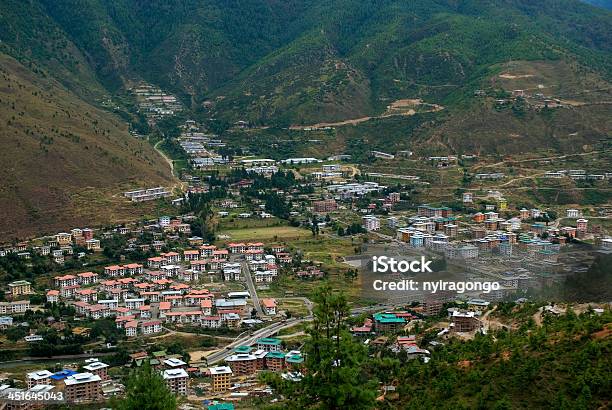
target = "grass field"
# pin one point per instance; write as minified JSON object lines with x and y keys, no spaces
{"x":275,"y":233}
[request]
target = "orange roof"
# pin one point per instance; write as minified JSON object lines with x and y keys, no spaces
{"x":164,"y":305}
{"x":53,"y":292}
{"x":269,"y":303}
{"x":131,"y":323}
{"x":87,"y":274}
{"x":133,"y":266}
{"x":191,"y":252}
{"x":206,"y":303}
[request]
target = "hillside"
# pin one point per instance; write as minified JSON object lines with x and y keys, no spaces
{"x":63,"y":160}
{"x":290,"y":63}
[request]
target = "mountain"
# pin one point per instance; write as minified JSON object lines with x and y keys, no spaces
{"x":297,"y":62}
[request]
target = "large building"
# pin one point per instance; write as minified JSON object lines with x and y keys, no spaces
{"x":221,"y":378}
{"x":323,"y":206}
{"x":20,"y":287}
{"x":371,"y":223}
{"x":96,"y":367}
{"x":82,"y":387}
{"x":465,"y":321}
{"x":242,"y":363}
{"x":269,"y":344}
{"x":176,"y":380}
{"x":38,"y":377}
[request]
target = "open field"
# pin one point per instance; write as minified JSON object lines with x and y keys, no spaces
{"x":276,"y":233}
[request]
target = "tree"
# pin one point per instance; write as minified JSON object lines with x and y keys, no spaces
{"x":335,"y":377}
{"x":146,"y":390}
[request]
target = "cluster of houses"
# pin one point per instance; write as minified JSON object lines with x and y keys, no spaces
{"x":154,"y":103}
{"x":439,"y":230}
{"x":58,"y":246}
{"x":142,"y":298}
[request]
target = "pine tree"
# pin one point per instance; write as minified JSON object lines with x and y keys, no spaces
{"x":146,"y":390}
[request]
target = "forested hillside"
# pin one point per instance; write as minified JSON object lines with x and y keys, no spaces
{"x":302,"y":61}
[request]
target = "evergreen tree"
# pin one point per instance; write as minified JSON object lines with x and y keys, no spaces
{"x":146,"y":390}
{"x":335,"y":377}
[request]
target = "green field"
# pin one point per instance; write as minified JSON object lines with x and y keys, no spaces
{"x":276,"y":233}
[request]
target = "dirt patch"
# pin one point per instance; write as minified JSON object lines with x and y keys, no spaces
{"x":509,"y":76}
{"x":605,"y":333}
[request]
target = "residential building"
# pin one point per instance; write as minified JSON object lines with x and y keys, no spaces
{"x":20,"y":287}
{"x":221,"y":378}
{"x":82,"y":387}
{"x":176,"y":380}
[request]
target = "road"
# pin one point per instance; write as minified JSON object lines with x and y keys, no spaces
{"x":251,"y":286}
{"x":274,"y":328}
{"x":252,"y":338}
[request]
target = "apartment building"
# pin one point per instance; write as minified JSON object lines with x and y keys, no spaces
{"x":221,"y":378}
{"x":82,"y":387}
{"x":176,"y":380}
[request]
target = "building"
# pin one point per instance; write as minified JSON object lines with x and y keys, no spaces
{"x":39,"y":377}
{"x":269,"y":306}
{"x":464,"y":321}
{"x":242,"y":363}
{"x":221,"y":378}
{"x":371,"y":223}
{"x":468,"y":198}
{"x":269,"y":344}
{"x":20,"y":287}
{"x":324,"y":206}
{"x":275,"y":361}
{"x":581,"y":225}
{"x":573,"y":213}
{"x":81,"y":387}
{"x":97,"y":368}
{"x":176,"y":380}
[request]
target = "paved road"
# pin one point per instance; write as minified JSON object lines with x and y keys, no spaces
{"x":249,"y":281}
{"x":274,"y":328}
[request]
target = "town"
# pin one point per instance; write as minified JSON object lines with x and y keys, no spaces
{"x":218,"y":291}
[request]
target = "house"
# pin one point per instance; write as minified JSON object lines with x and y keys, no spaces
{"x":87,"y":278}
{"x":131,"y":328}
{"x":66,"y":280}
{"x":269,"y":306}
{"x":371,"y":223}
{"x":151,"y":327}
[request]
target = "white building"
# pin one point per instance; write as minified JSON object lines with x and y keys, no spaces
{"x":371,"y":223}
